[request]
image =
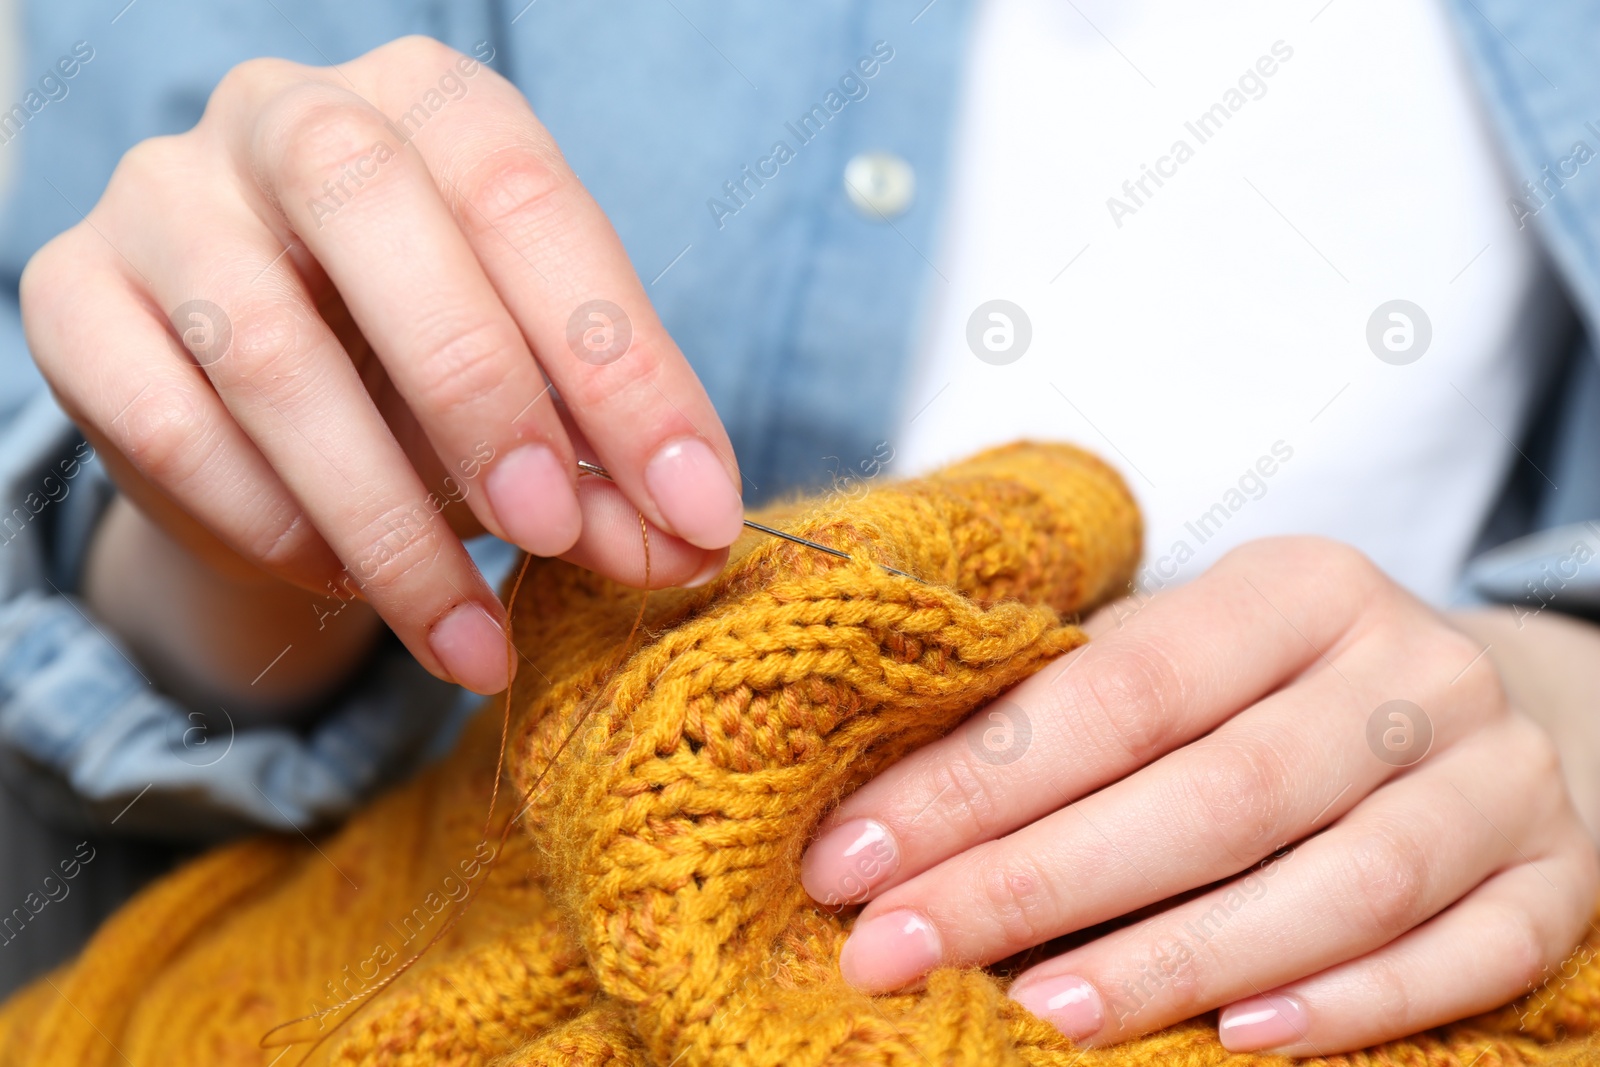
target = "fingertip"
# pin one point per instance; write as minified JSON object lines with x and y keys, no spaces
{"x":532,"y":497}
{"x":614,"y":545}
{"x":713,"y":566}
{"x":1067,"y":1002}
{"x":1262,"y":1022}
{"x":694,"y":493}
{"x":848,"y":862}
{"x":890,"y":951}
{"x":471,"y":648}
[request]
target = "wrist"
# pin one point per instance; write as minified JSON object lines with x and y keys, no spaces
{"x":237,"y":637}
{"x":1549,"y":665}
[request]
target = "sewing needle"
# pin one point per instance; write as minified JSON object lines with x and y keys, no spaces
{"x":600,"y":472}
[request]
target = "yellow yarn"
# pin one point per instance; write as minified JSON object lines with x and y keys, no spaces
{"x":647,"y":910}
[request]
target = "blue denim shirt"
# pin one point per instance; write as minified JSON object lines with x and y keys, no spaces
{"x":795,"y":309}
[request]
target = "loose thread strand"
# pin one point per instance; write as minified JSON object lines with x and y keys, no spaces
{"x":511,"y":670}
{"x":358,"y":999}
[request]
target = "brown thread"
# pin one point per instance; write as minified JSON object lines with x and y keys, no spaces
{"x":494,"y":793}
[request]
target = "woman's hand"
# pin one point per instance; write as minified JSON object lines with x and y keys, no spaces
{"x":1311,"y":788}
{"x":381,"y":275}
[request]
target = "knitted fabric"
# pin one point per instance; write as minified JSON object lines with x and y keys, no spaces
{"x":647,"y":908}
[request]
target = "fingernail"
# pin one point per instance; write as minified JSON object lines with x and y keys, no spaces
{"x":889,"y":951}
{"x":696,"y":497}
{"x":1262,"y":1022}
{"x":533,"y":500}
{"x":472,"y":648}
{"x":845,"y":864}
{"x":714,"y":563}
{"x":1066,"y":1002}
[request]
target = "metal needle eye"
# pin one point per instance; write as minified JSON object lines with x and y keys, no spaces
{"x":600,"y":472}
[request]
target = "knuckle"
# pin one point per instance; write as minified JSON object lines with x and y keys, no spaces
{"x":1180,"y":974}
{"x":1163,"y":977}
{"x":964,"y":801}
{"x":152,"y":177}
{"x":464,"y":364}
{"x":1389,"y":989}
{"x":630,"y":382}
{"x":1341,"y":563}
{"x":1537,"y":761}
{"x":1389,"y":878}
{"x":1475,"y":675}
{"x":149,"y":164}
{"x":415,"y":50}
{"x":1341,"y":556}
{"x":1540,"y":760}
{"x":1287,"y":551}
{"x":1240,"y":788}
{"x":1448,"y":645}
{"x":1324,"y":558}
{"x":397,"y":543}
{"x":1136,"y":691}
{"x":163,"y":434}
{"x":247,"y":78}
{"x":1523,"y":945}
{"x":262,"y":335}
{"x":1017,"y":898}
{"x":43,"y":280}
{"x":1588,"y":862}
{"x":310,"y":133}
{"x":1452,"y":645}
{"x":514,"y":190}
{"x":284,"y":540}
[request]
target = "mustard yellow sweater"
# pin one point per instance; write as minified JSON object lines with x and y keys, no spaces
{"x":646,"y":908}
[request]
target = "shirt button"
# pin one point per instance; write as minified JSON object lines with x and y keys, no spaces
{"x":880,"y":184}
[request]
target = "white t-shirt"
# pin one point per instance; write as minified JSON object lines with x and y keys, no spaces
{"x":1199,"y":208}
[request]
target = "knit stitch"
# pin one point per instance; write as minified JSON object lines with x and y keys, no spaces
{"x":646,"y":909}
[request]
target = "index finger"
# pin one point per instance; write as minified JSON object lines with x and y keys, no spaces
{"x":561,"y":270}
{"x":1185,"y":662}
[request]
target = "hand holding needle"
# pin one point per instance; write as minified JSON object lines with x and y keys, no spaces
{"x":598,"y":471}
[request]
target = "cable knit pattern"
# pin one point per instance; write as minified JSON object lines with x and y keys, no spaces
{"x":646,"y":908}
